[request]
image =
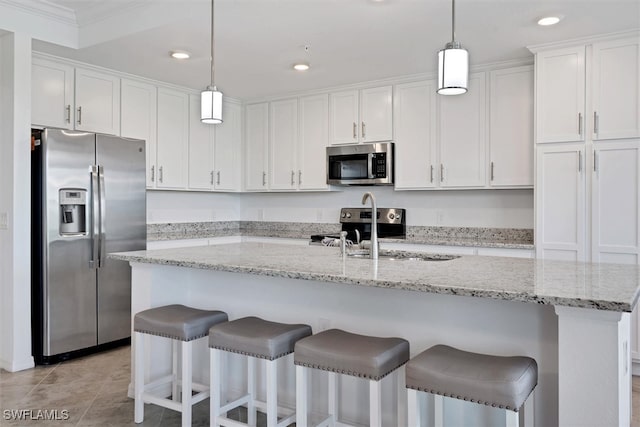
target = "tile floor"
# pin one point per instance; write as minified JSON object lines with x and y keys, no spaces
{"x":93,"y":390}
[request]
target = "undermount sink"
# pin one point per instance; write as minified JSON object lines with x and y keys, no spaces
{"x":403,"y":256}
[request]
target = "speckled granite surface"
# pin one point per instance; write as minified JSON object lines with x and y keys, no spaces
{"x":600,"y":286}
{"x":515,"y":238}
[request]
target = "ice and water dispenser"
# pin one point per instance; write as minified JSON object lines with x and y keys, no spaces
{"x":73,"y":205}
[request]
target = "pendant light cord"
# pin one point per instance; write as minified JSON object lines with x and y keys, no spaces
{"x":453,"y":21}
{"x":212,"y":47}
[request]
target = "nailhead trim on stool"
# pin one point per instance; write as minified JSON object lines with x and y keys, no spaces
{"x":341,"y":352}
{"x":180,"y":324}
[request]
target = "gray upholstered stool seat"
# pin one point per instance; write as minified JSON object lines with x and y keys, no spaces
{"x":341,"y":352}
{"x":258,"y":339}
{"x":180,"y":324}
{"x":347,"y":353}
{"x":498,"y":381}
{"x":177,"y":322}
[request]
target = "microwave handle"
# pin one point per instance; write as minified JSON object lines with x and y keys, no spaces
{"x":370,"y":160}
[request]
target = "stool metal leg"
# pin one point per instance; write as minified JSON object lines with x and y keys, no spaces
{"x":272,"y":392}
{"x":375,"y":403}
{"x":302,"y":380}
{"x":333,"y":397}
{"x":215,"y":385}
{"x":251,"y":386}
{"x":138,"y":349}
{"x":438,"y":410}
{"x":187,"y":371}
{"x":414,"y":415}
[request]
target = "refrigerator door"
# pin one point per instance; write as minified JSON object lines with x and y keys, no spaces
{"x":68,"y":288}
{"x":122,"y":171}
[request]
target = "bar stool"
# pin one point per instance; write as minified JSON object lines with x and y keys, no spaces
{"x":498,"y":381}
{"x":178,"y":323}
{"x":257,"y":339}
{"x":341,"y":352}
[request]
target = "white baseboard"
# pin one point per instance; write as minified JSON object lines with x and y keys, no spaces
{"x":17,"y":365}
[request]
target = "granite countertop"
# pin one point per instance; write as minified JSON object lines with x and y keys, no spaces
{"x":601,"y":286}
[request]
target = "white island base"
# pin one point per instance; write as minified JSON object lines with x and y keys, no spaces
{"x":583,"y":354}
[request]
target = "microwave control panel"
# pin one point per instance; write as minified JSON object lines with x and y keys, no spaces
{"x":379,"y":165}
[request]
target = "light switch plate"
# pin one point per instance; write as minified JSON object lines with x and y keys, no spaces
{"x":3,"y":221}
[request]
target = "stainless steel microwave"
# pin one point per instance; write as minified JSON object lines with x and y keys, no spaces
{"x":360,"y":164}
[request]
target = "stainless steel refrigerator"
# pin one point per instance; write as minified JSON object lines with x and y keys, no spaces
{"x":88,"y":199}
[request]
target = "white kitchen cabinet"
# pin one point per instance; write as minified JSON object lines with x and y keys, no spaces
{"x":560,"y":202}
{"x":173,"y":139}
{"x":462,"y":136}
{"x":97,"y":102}
{"x":615,"y":206}
{"x":52,"y":94}
{"x":415,"y":135}
{"x":138,"y":119}
{"x":314,"y":138}
{"x":361,"y":115}
{"x":616,"y":89}
{"x":256,"y":148}
{"x":283,"y":141}
{"x":560,"y":95}
{"x":511,"y":127}
{"x":228,"y":149}
{"x":201,"y":175}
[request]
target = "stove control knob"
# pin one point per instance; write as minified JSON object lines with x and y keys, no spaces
{"x":391,"y":216}
{"x":348,"y":214}
{"x":344,"y":215}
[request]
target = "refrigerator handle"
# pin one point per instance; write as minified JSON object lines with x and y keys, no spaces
{"x":95,"y":212}
{"x":103,"y":238}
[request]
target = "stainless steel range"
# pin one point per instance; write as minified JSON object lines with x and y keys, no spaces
{"x":357,"y":223}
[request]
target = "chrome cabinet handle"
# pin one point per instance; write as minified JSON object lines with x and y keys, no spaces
{"x":355,"y":129}
{"x":363,"y":131}
{"x":595,"y":159}
{"x":431,"y":173}
{"x":153,"y":173}
{"x":293,"y":178}
{"x":595,"y":122}
{"x":264,"y":178}
{"x":299,"y":177}
{"x":161,"y":175}
{"x":79,"y":115}
{"x":68,"y":113}
{"x":218,"y":178}
{"x":441,"y":172}
{"x":211,"y":177}
{"x":579,"y":161}
{"x":580,"y":124}
{"x":491,"y":171}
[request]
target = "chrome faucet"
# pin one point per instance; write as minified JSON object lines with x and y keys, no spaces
{"x":374,"y":223}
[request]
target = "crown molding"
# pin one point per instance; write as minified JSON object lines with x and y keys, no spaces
{"x":584,"y":40}
{"x":44,"y":9}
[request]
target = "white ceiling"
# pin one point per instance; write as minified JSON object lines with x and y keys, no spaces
{"x":351,"y":41}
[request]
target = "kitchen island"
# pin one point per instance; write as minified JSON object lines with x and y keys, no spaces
{"x":573,"y":318}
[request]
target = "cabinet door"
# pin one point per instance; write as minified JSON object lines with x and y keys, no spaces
{"x":257,"y":140}
{"x":97,"y":102}
{"x":200,"y":148}
{"x":283,"y":130}
{"x":511,"y":127}
{"x":560,"y":202}
{"x":227,"y":148}
{"x":415,"y":142}
{"x":462,"y":136}
{"x":560,"y":79}
{"x":616,"y":89}
{"x":173,"y":138}
{"x":344,"y":117}
{"x":376,"y":114}
{"x":138,"y":120}
{"x":312,"y":146}
{"x":51,"y":94}
{"x":615,"y":189}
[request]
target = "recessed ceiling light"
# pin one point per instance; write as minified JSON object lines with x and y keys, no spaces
{"x":301,"y":66}
{"x":549,"y":20}
{"x":179,"y":54}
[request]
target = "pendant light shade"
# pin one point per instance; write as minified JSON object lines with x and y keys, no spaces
{"x":211,"y":97}
{"x":453,"y":64}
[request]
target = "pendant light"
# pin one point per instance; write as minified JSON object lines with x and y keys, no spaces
{"x":453,"y":63}
{"x":211,"y":97}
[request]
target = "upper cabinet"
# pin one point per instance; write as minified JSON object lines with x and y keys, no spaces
{"x":361,"y":115}
{"x":610,"y":73}
{"x":74,"y":98}
{"x":173,"y":139}
{"x":256,"y":146}
{"x":462,"y":136}
{"x":313,"y":141}
{"x":228,"y":149}
{"x":200,"y":148}
{"x":283,"y":138}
